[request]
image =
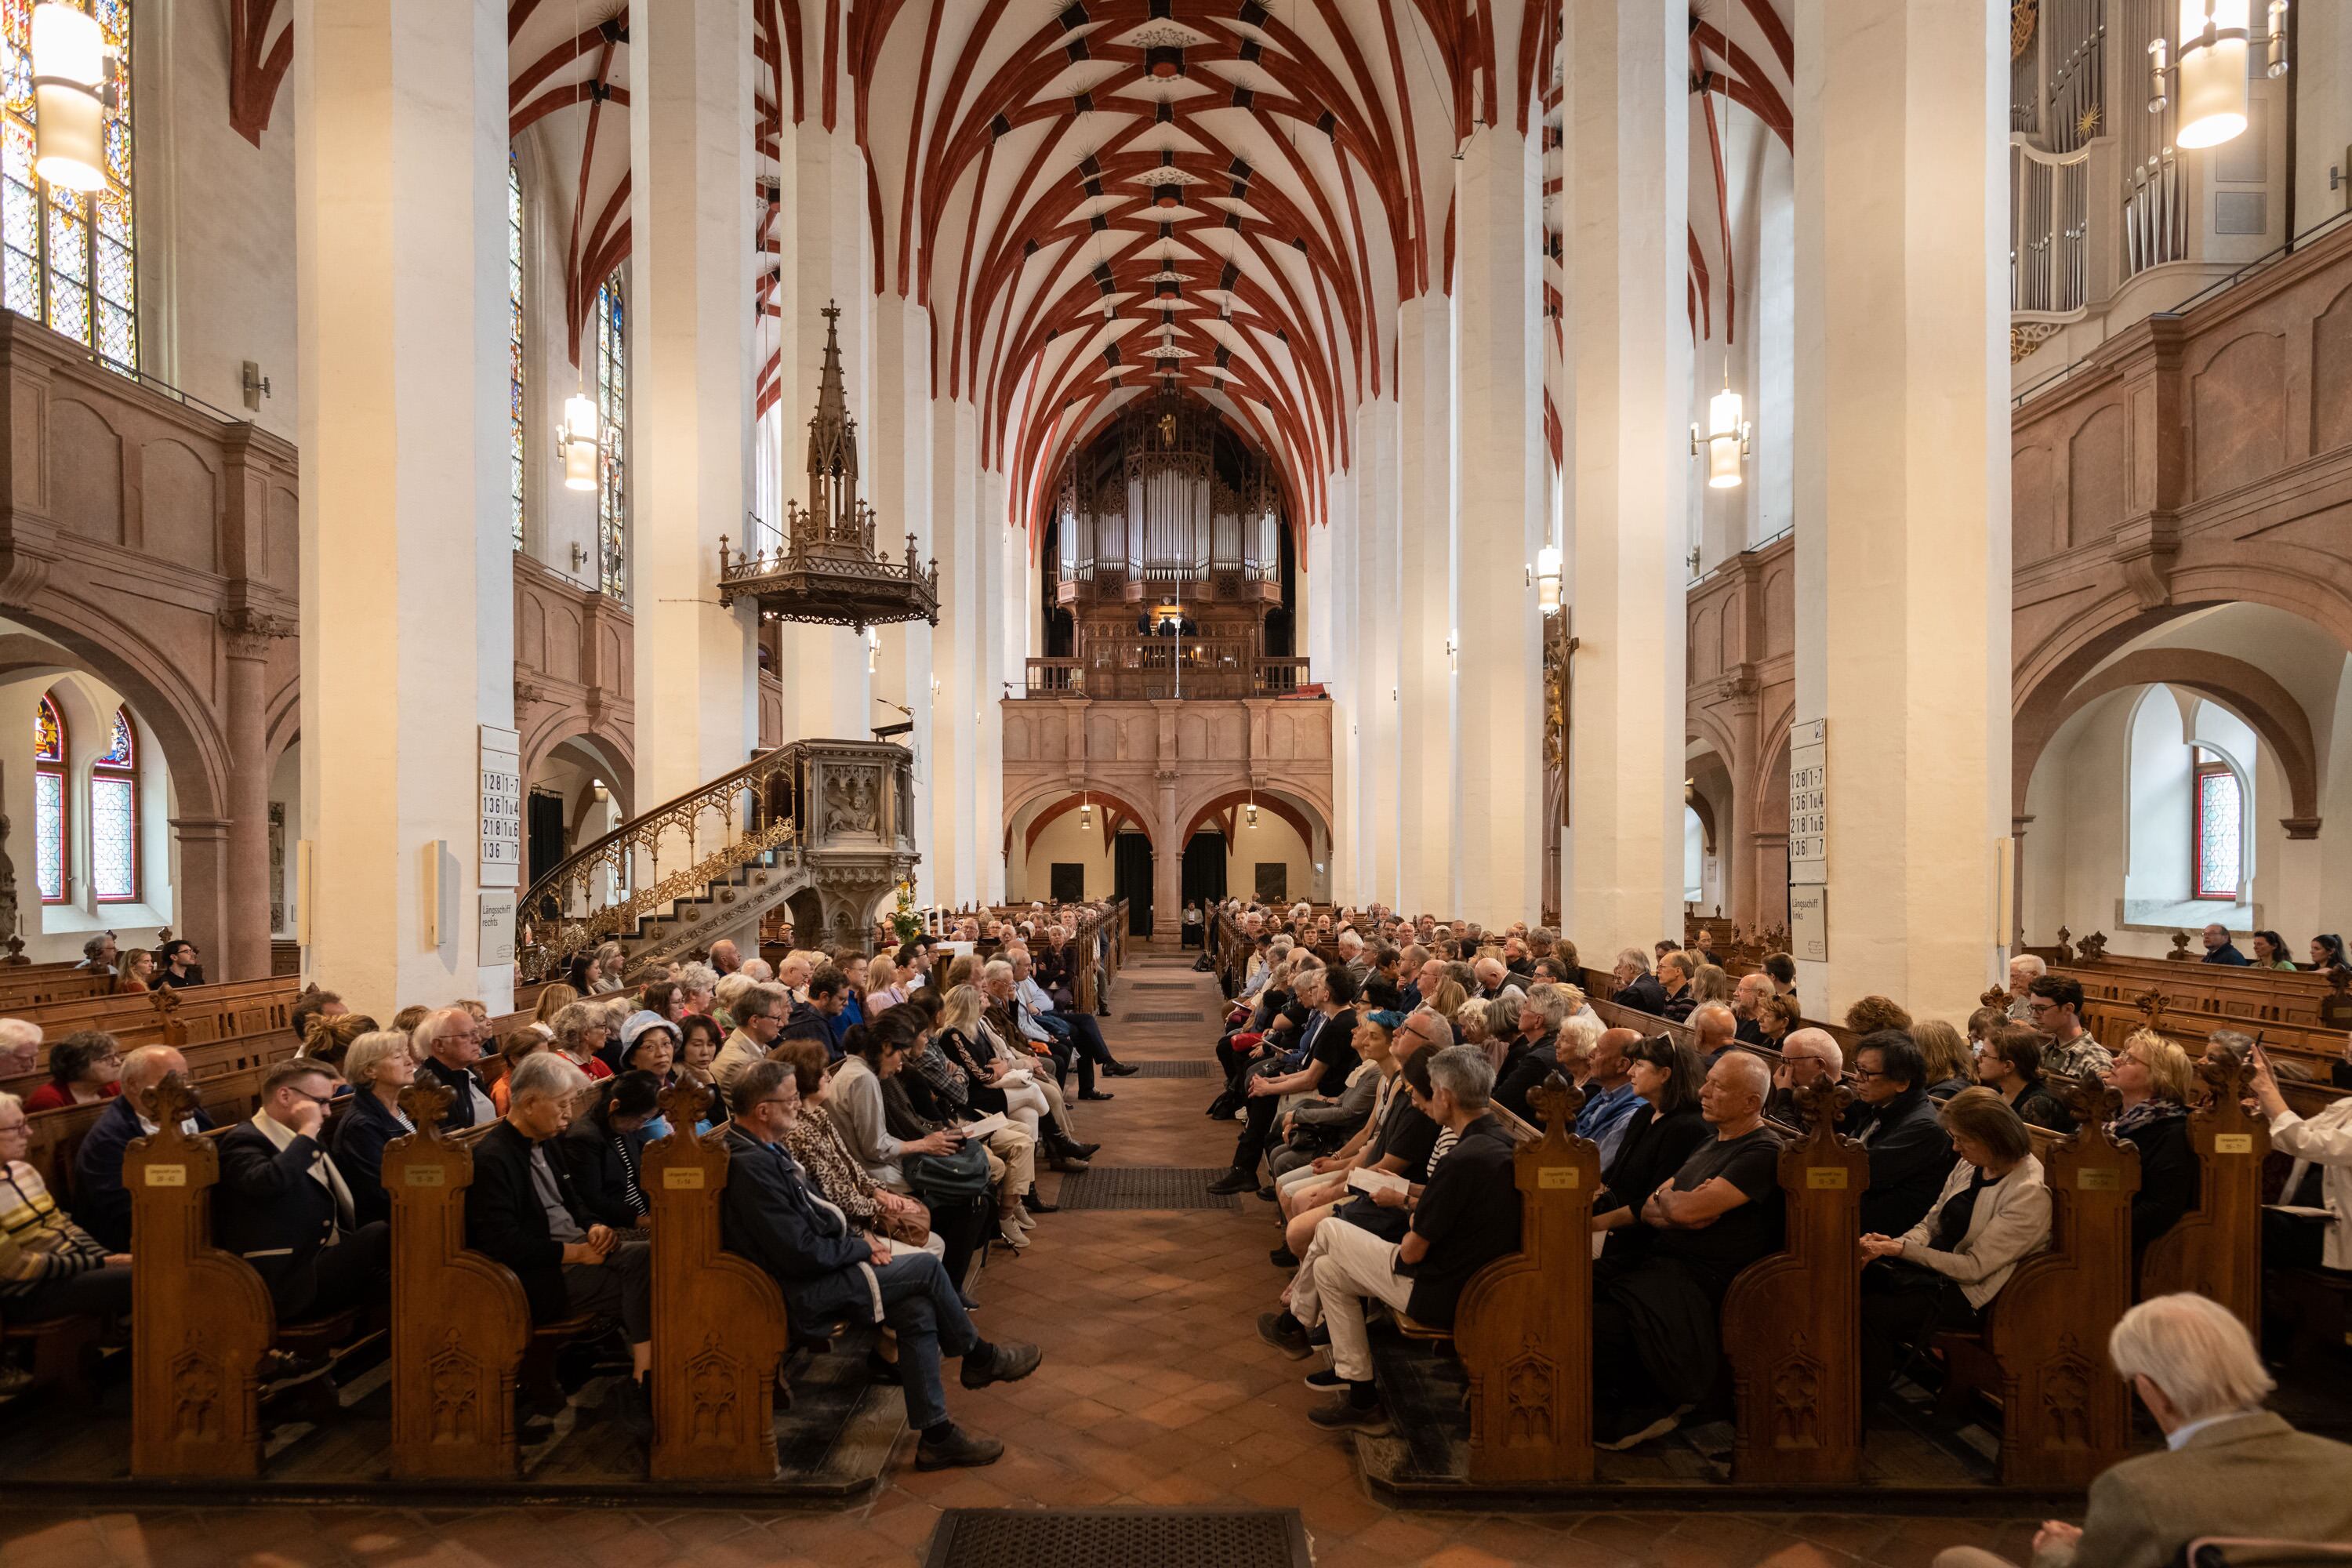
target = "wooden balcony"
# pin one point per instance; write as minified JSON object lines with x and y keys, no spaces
{"x":1154,"y":668}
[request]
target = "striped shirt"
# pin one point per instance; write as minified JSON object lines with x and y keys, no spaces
{"x":37,"y":1242}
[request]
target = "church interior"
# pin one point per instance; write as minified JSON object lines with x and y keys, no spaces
{"x":1682,"y":658}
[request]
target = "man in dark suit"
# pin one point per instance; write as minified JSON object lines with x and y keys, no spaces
{"x":830,"y":1274}
{"x":1636,"y":987}
{"x":282,"y":1207}
{"x":446,"y":1045}
{"x":522,"y":1211}
{"x":1910,"y":1153}
{"x":101,"y":1204}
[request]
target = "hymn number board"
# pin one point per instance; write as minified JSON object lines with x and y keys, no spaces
{"x":502,"y":793}
{"x":1809,"y":826}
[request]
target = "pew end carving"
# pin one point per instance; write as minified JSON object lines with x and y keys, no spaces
{"x":201,"y":1319}
{"x":719,"y":1331}
{"x":460,"y":1322}
{"x":2215,"y":1249}
{"x":1791,"y":1320}
{"x":1523,"y":1330}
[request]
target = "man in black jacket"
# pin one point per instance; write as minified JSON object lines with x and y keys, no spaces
{"x":447,"y":1047}
{"x":831,"y":1274}
{"x":1468,"y":1216}
{"x":1535,"y":1054}
{"x":101,"y":1204}
{"x":282,"y":1205}
{"x":1910,"y":1153}
{"x":522,"y":1211}
{"x":1636,"y":987}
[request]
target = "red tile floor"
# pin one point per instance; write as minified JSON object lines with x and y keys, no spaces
{"x":1155,"y":1390}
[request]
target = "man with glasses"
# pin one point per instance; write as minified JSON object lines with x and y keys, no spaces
{"x":1807,"y":1057}
{"x":1910,"y":1153}
{"x":831,"y":1274}
{"x":446,"y":1044}
{"x":50,"y":1267}
{"x":2056,"y":1003}
{"x":282,"y":1207}
{"x":759,"y":1015}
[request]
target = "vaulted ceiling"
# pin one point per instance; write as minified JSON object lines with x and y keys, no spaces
{"x":1094,"y":196}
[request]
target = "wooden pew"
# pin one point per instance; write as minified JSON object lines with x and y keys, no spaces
{"x":460,"y":1322}
{"x":719,"y":1329}
{"x":201,"y":1319}
{"x":1792,"y":1322}
{"x":1523,"y":1327}
{"x":2216,"y":1249}
{"x":33,"y":988}
{"x":226,"y":1076}
{"x":2065,"y":1415}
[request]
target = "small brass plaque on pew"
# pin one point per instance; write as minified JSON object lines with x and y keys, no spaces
{"x":676,"y":1177}
{"x":425,"y":1176}
{"x":1820,"y":1177}
{"x":2234,"y":1143}
{"x":2096,"y":1181}
{"x":167,"y":1175}
{"x":1553,"y":1176}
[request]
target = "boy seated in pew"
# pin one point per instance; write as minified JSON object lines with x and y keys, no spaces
{"x":100,"y":1197}
{"x":50,"y":1267}
{"x":282,"y":1207}
{"x":830,"y":1273}
{"x":1656,"y":1335}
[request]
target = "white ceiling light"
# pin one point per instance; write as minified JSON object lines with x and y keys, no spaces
{"x":1726,"y":437}
{"x":2211,"y":65}
{"x":577,"y":438}
{"x":73,"y":88}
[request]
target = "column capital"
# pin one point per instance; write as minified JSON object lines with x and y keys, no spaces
{"x":201,"y":829}
{"x":247,"y":633}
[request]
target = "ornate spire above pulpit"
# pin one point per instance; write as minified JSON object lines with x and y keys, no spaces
{"x":826,"y":570}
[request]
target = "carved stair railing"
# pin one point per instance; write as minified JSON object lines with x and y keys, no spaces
{"x":804,"y":794}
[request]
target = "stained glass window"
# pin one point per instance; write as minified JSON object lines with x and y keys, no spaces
{"x":67,"y":257}
{"x":114,"y":816}
{"x":48,"y":797}
{"x":514,"y":342}
{"x":2219,"y":840}
{"x":612,"y":440}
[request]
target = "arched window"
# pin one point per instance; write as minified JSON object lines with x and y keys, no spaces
{"x":50,"y":802}
{"x":114,"y":816}
{"x":514,"y":343}
{"x":66,"y":256}
{"x":2217,"y":846}
{"x":612,"y":440}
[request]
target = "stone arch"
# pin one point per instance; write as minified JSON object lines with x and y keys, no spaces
{"x":179,"y":719}
{"x":1073,"y":793}
{"x":1207,"y":814}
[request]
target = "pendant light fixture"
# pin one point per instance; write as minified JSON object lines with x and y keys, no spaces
{"x":1547,"y":579}
{"x":577,"y":438}
{"x":1250,"y":814}
{"x":1727,"y":436}
{"x":73,"y":86}
{"x":1085,"y":813}
{"x":2211,"y":65}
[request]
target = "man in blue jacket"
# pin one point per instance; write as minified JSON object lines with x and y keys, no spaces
{"x":830,"y":1273}
{"x":101,"y":1204}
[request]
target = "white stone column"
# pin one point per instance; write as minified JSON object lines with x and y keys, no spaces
{"x":690,"y":403}
{"x":1380,"y":593}
{"x":1424,"y":572}
{"x":996,"y":598}
{"x":900,"y":482}
{"x":956,"y":837}
{"x":1628,"y":449}
{"x":828,"y":257}
{"x":1499,"y":486}
{"x":1902,"y":489}
{"x":1330,"y":652}
{"x":400,"y":120}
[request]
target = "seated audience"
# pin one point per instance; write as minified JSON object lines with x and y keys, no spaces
{"x":697,"y":984}
{"x":50,"y":1267}
{"x":833,"y":1169}
{"x":2023,"y":970}
{"x":1665,"y":1129}
{"x":1944,"y":1271}
{"x":177,"y":966}
{"x":2327,"y":954}
{"x":1945,"y":1058}
{"x":313,"y":1003}
{"x":580,"y":1034}
{"x":377,"y":1066}
{"x":648,"y":1044}
{"x":1315,"y":1128}
{"x":1534,"y":1055}
{"x":1467,"y":1216}
{"x":1717,"y":1028}
{"x":1675,"y":970}
{"x":876,"y":1052}
{"x":699,"y":1038}
{"x":2056,"y":1003}
{"x":523,"y":1211}
{"x":725,"y":958}
{"x":818,"y":1015}
{"x":20,"y":1047}
{"x":1896,"y":1122}
{"x":1402,"y":1140}
{"x":1873,"y":1014}
{"x":330,"y":1041}
{"x":84,"y":1068}
{"x":1636,"y":987}
{"x":2155,"y":1080}
{"x":1609,"y":1101}
{"x":2220,"y":949}
{"x":2228,"y":1466}
{"x":100,"y":1201}
{"x":2011,"y":1065}
{"x":1317,"y":1069}
{"x":604,"y":1147}
{"x":1709,"y":982}
{"x":760,"y":1013}
{"x":2320,"y":1178}
{"x":1807,"y":1055}
{"x":830,"y":1274}
{"x":1782,"y":968}
{"x":1747,"y":999}
{"x":446,"y":1045}
{"x":1656,"y":1332}
{"x":2270,"y":951}
{"x":281,"y":1204}
{"x":137,"y":974}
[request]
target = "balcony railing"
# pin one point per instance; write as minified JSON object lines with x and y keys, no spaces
{"x":1153,"y":668}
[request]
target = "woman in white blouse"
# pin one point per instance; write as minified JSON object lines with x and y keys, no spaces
{"x":1943,"y":1272}
{"x":2321,"y":1147}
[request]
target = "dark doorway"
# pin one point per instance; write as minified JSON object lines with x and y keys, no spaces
{"x":1069,"y":882}
{"x":1204,"y":868}
{"x":545,"y":827}
{"x":1132,"y":879}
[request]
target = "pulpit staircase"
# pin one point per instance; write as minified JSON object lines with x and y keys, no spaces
{"x":824,"y":826}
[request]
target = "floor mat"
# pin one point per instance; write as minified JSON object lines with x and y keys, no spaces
{"x":1143,"y":1188}
{"x":1097,"y":1537}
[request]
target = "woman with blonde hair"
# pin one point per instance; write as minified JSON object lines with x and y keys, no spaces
{"x":330,"y":1039}
{"x":553,"y":997}
{"x":2153,"y":1077}
{"x":377,"y":1064}
{"x":882,"y":987}
{"x":1947,"y":1055}
{"x":1712,"y":984}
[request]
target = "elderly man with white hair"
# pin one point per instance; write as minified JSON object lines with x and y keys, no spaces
{"x":1717,"y":1028}
{"x":100,"y":1200}
{"x":447,"y":1047}
{"x":2229,"y":1468}
{"x":2023,"y":970}
{"x":1656,"y":1332}
{"x":20,"y":1047}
